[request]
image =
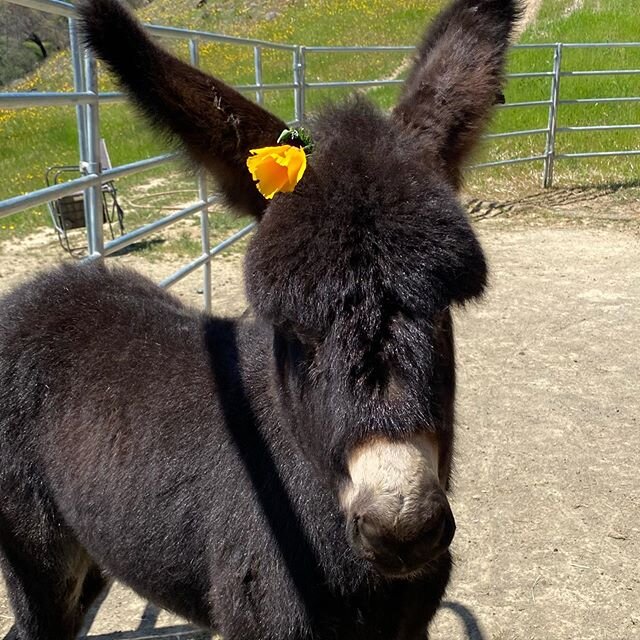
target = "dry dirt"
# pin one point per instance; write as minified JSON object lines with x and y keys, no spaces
{"x":531,"y":8}
{"x":40,"y":250}
{"x":547,"y":494}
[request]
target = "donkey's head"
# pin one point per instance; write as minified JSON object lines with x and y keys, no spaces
{"x":357,"y":268}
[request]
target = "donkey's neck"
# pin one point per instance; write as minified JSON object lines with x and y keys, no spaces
{"x":291,"y":490}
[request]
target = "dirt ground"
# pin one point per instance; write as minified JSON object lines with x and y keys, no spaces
{"x":547,"y":491}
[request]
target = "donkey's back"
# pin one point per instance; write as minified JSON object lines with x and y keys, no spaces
{"x":109,"y":429}
{"x":87,"y":332}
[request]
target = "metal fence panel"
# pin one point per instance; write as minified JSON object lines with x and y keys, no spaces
{"x":86,"y":100}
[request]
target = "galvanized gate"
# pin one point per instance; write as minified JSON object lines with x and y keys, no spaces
{"x":87,"y":100}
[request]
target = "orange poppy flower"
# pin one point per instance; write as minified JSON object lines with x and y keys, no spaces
{"x":277,"y":169}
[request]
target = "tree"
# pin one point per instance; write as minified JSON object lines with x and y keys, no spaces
{"x":19,"y":26}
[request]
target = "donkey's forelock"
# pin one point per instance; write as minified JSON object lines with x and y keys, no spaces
{"x":368,"y":227}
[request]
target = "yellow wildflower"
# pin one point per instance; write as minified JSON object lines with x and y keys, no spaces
{"x":277,"y":169}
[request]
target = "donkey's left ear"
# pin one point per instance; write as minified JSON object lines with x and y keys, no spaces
{"x":456,"y":79}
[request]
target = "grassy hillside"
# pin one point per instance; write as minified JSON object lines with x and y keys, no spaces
{"x":34,"y":139}
{"x":576,"y":21}
{"x":42,"y":137}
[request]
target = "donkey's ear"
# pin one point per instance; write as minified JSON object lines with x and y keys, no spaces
{"x":456,"y":79}
{"x":215,"y":124}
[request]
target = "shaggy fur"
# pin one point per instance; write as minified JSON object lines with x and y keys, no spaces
{"x":199,"y":459}
{"x":458,"y":72}
{"x":367,"y":268}
{"x":215,"y":124}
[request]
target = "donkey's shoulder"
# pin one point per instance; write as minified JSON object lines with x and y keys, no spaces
{"x":89,"y":296}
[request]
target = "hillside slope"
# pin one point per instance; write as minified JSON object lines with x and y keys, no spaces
{"x":33,"y":139}
{"x":586,"y":21}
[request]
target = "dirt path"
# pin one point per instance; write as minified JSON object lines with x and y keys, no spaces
{"x":547,"y":494}
{"x":40,"y":250}
{"x":529,"y":15}
{"x":530,"y":12}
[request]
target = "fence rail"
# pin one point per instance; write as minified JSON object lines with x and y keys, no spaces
{"x":86,"y":99}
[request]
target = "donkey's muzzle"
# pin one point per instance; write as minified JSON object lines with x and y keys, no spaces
{"x":401,"y":543}
{"x":398,"y":516}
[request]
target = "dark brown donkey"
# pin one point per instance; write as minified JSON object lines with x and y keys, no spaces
{"x":279,"y":477}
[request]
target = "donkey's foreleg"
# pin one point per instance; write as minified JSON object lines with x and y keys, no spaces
{"x":51,"y":580}
{"x":49,"y":602}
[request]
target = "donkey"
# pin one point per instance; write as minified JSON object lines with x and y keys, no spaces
{"x":282,"y":475}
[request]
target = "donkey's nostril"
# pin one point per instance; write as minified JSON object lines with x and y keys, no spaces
{"x":440,"y":527}
{"x":369,"y":531}
{"x":401,"y":546}
{"x":449,"y":528}
{"x":364,"y":535}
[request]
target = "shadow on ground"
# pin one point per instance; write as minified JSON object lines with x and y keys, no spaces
{"x":470,"y":622}
{"x":597,"y":203}
{"x":147,"y":630}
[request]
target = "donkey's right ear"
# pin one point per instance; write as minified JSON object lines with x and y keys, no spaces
{"x":456,"y":79}
{"x":215,"y":124}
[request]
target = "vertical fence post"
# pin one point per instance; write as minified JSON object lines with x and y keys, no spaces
{"x":550,"y":150}
{"x":303,"y":85}
{"x":93,"y":195}
{"x":299,"y":82}
{"x":78,"y":86}
{"x":257,"y":65}
{"x":205,"y":238}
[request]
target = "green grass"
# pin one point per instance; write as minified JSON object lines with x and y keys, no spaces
{"x":35,"y":139}
{"x":611,"y":21}
{"x":43,"y":137}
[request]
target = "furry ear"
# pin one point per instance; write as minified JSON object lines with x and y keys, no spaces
{"x":216,"y":125}
{"x":456,"y":79}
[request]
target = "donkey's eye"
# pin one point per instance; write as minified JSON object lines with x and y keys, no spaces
{"x":307,"y":339}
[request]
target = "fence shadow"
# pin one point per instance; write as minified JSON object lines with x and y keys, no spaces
{"x":556,"y":199}
{"x":93,"y":611}
{"x":146,"y":629}
{"x":176,"y":632}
